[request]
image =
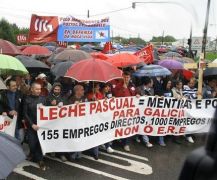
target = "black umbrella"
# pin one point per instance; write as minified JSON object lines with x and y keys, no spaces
{"x":32,"y":64}
{"x":61,"y":68}
{"x":69,"y":55}
{"x":11,"y":154}
{"x":210,"y":71}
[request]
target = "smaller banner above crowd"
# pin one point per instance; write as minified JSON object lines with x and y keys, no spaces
{"x":22,"y":39}
{"x":77,"y":30}
{"x":79,"y":127}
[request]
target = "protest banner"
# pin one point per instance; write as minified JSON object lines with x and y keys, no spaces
{"x":72,"y":29}
{"x":8,"y":125}
{"x":78,"y":127}
{"x":43,"y":29}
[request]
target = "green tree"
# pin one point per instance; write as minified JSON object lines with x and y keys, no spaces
{"x":167,"y":38}
{"x":122,"y":40}
{"x":137,"y":41}
{"x":6,"y":31}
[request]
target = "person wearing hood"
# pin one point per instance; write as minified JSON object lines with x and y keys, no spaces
{"x":56,"y":99}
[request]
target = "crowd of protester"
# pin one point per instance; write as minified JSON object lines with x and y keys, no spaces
{"x":23,"y":94}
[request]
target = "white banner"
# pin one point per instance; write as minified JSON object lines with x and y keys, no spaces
{"x":8,"y":125}
{"x":78,"y":127}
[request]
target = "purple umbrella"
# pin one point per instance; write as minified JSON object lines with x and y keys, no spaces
{"x":171,"y":64}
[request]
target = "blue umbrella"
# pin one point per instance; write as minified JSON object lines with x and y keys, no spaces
{"x":11,"y":154}
{"x":152,"y":71}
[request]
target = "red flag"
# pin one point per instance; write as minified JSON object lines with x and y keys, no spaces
{"x":146,"y":54}
{"x":107,"y":48}
{"x":43,"y":29}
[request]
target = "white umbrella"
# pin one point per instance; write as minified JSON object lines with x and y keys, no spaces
{"x":2,"y":85}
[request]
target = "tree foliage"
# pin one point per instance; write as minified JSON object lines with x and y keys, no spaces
{"x":122,"y":40}
{"x":165,"y":39}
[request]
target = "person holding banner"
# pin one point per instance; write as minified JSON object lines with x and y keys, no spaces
{"x":95,"y":95}
{"x":190,"y":92}
{"x":167,"y":92}
{"x":106,"y":92}
{"x":177,"y":90}
{"x":11,"y":100}
{"x":78,"y":97}
{"x":56,"y":99}
{"x":146,"y":90}
{"x":125,"y":88}
{"x":30,"y":114}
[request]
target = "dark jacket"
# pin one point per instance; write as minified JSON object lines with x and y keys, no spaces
{"x":158,"y":87}
{"x":30,"y":108}
{"x":52,"y":97}
{"x":5,"y":107}
{"x":142,"y":90}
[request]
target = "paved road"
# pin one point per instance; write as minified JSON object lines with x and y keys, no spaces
{"x":157,"y":163}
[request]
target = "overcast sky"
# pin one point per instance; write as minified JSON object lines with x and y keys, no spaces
{"x":146,"y":20}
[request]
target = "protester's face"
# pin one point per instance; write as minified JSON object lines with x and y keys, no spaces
{"x":36,"y":89}
{"x":57,"y":90}
{"x":106,"y":89}
{"x":212,"y":83}
{"x":13,"y":86}
{"x":44,"y":79}
{"x":191,"y":84}
{"x":169,"y":85}
{"x":179,"y":86}
{"x":18,"y":80}
{"x":28,"y":77}
{"x":97,"y":87}
{"x":126,"y":78}
{"x":79,"y":91}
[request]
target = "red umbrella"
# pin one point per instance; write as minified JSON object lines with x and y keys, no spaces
{"x":21,"y":48}
{"x":8,"y":48}
{"x":99,"y":55}
{"x":93,"y":70}
{"x":37,"y":50}
{"x":124,"y":60}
